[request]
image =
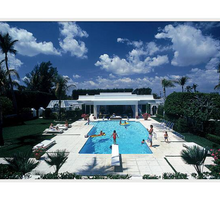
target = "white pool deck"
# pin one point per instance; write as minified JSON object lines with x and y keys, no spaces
{"x":135,"y":165}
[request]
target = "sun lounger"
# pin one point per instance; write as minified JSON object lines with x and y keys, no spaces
{"x":115,"y":155}
{"x":115,"y":118}
{"x":53,"y":131}
{"x":44,"y":144}
{"x":62,"y":126}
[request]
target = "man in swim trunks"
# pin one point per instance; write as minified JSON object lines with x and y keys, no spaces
{"x":114,"y":135}
{"x":150,"y":134}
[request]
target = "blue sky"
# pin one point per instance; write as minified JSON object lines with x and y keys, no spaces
{"x":120,"y":54}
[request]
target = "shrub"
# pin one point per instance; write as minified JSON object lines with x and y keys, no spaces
{"x":160,"y":110}
{"x":7,"y":106}
{"x":46,"y":113}
{"x":21,"y":162}
{"x":174,"y":176}
{"x":181,"y":125}
{"x":204,"y":175}
{"x":213,"y":138}
{"x":50,"y":176}
{"x":148,"y":176}
{"x":117,"y":176}
{"x":7,"y":173}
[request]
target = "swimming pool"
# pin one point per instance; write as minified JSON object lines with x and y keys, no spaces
{"x":129,"y":141}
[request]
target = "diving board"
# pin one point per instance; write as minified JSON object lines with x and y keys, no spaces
{"x":115,"y":155}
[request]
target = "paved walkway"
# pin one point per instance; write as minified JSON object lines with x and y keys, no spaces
{"x":133,"y":164}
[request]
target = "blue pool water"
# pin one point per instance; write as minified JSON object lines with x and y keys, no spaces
{"x":129,"y":141}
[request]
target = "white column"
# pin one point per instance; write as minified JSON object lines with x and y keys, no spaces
{"x":136,"y":109}
{"x":95,"y":110}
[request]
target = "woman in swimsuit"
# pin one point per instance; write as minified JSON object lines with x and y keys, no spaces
{"x":150,"y":134}
{"x":114,"y":135}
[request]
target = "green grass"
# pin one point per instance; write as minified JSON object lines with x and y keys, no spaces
{"x":199,"y":140}
{"x":24,"y":137}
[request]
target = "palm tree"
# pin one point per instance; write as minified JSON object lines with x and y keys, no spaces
{"x":194,"y":86}
{"x":61,"y":88}
{"x":57,"y":159}
{"x":195,"y":156}
{"x":7,"y":46}
{"x":21,"y":162}
{"x":188,"y":88}
{"x":166,"y":84}
{"x":182,"y":81}
{"x":42,"y":78}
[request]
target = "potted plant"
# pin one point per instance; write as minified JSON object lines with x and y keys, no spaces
{"x":146,"y":116}
{"x":38,"y":153}
{"x":85,"y":116}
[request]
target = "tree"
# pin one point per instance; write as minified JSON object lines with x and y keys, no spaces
{"x":195,"y":156}
{"x":188,"y":89}
{"x":7,"y":46}
{"x":61,"y":88}
{"x":218,"y":71}
{"x":57,"y":159}
{"x":182,"y":81}
{"x":42,"y":78}
{"x":166,"y":84}
{"x":194,"y":86}
{"x":21,"y":162}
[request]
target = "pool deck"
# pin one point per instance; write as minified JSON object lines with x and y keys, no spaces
{"x":165,"y":157}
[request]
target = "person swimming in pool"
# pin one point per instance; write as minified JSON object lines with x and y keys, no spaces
{"x":114,"y":135}
{"x":143,"y":141}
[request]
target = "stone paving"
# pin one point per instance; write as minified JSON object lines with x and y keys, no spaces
{"x":133,"y":164}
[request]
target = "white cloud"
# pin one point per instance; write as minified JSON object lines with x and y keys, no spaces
{"x":206,"y":78}
{"x":27,"y":44}
{"x":128,"y":42}
{"x":190,"y":46}
{"x":133,"y":65}
{"x":13,"y":62}
{"x":76,"y":76}
{"x":70,"y":30}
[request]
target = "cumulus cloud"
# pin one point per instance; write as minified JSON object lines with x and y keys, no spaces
{"x":206,"y":78}
{"x":76,"y":76}
{"x":190,"y":46}
{"x":132,"y":65}
{"x":27,"y":44}
{"x":69,"y":32}
{"x":128,"y":42}
{"x":13,"y":62}
{"x":138,"y":61}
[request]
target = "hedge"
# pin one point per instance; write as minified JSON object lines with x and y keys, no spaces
{"x":213,"y":138}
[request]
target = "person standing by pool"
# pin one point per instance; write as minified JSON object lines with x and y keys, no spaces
{"x":88,"y":120}
{"x":114,"y":135}
{"x":150,"y":134}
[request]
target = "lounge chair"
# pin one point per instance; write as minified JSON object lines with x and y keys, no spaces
{"x":44,"y":144}
{"x":53,"y":131}
{"x":62,"y":126}
{"x":115,"y":155}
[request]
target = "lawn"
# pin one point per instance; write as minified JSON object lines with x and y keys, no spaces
{"x":24,"y":137}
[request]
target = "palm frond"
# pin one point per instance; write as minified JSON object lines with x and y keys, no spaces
{"x":57,"y":159}
{"x":21,"y":162}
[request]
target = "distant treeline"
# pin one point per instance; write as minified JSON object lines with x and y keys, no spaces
{"x":140,"y":91}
